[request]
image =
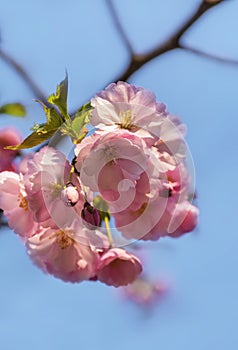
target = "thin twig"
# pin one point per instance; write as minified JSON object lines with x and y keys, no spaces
{"x":209,"y":55}
{"x":23,"y":74}
{"x":118,"y":25}
{"x":139,"y":60}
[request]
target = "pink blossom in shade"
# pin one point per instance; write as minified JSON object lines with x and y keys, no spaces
{"x":125,"y":106}
{"x":8,"y":137}
{"x":118,"y":268}
{"x":46,"y":179}
{"x":59,"y":253}
{"x":15,"y":205}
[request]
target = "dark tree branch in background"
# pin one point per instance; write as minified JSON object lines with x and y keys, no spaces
{"x":119,"y":27}
{"x":209,"y":55}
{"x":23,"y":74}
{"x":173,"y":42}
{"x":137,"y":60}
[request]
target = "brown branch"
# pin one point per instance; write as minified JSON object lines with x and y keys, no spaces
{"x":119,"y":26}
{"x":209,"y":55}
{"x":139,"y":60}
{"x":23,"y":74}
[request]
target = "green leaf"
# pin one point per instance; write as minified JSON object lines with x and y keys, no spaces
{"x":41,"y":132}
{"x":82,"y":117}
{"x":32,"y":140}
{"x":60,"y":98}
{"x":76,"y":128}
{"x":15,"y":109}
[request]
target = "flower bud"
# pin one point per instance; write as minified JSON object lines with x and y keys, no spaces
{"x":90,"y":216}
{"x":70,"y":195}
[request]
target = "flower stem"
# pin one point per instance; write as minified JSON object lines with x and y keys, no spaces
{"x":109,"y":235}
{"x":71,"y":174}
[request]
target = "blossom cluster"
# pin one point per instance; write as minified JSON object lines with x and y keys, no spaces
{"x":129,"y":177}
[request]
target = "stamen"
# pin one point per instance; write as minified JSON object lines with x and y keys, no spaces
{"x":127,"y":120}
{"x":23,"y":202}
{"x":62,"y":239}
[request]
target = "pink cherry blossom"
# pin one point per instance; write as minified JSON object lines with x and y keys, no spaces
{"x":125,"y":106}
{"x":14,"y":203}
{"x":113,"y":165}
{"x":185,"y":219}
{"x":151,"y":217}
{"x":59,"y":253}
{"x":46,"y":179}
{"x":8,"y":137}
{"x":118,"y":268}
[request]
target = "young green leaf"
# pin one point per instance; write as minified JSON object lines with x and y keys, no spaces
{"x":15,"y":109}
{"x":32,"y":140}
{"x":76,"y":128}
{"x":60,"y":98}
{"x":41,"y":132}
{"x":81,"y":118}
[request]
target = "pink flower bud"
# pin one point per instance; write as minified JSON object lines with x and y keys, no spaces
{"x":70,"y":195}
{"x":90,"y":216}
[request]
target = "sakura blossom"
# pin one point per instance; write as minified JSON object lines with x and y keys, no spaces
{"x":162,"y":214}
{"x":47,"y":188}
{"x":58,"y":253}
{"x":131,"y":179}
{"x":125,"y":106}
{"x":118,"y":267}
{"x":15,"y":206}
{"x":113,"y":164}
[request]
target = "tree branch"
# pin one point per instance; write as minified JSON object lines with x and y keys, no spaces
{"x":119,"y":26}
{"x":209,"y":55}
{"x":23,"y":74}
{"x":139,"y":60}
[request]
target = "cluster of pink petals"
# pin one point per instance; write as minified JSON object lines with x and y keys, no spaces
{"x":44,"y":209}
{"x":135,"y":162}
{"x":70,"y":255}
{"x":45,"y":181}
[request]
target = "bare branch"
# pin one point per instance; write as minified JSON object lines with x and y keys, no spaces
{"x":209,"y":56}
{"x":138,"y":60}
{"x":118,"y":26}
{"x":23,"y":74}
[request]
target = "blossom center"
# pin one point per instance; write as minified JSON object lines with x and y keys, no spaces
{"x":127,"y":120}
{"x":23,"y":202}
{"x":63,"y":239}
{"x":56,"y":189}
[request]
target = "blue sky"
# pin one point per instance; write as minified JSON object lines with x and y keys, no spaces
{"x":201,"y":310}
